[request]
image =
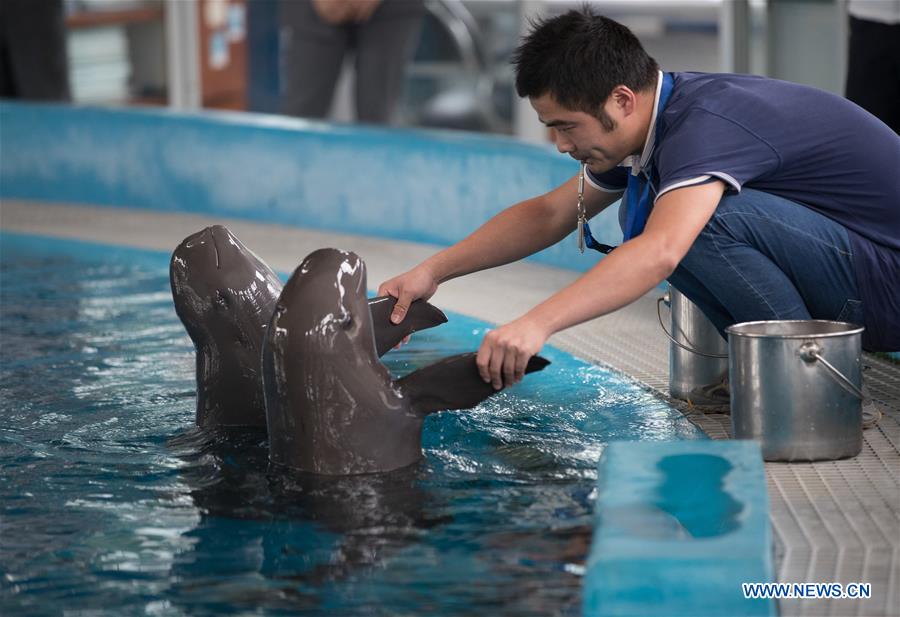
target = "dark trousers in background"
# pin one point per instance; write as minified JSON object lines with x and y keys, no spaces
{"x":313,"y":54}
{"x":33,"y":59}
{"x":873,"y":69}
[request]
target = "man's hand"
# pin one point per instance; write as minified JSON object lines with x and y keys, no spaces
{"x":344,"y":11}
{"x":363,"y":9}
{"x":417,"y":284}
{"x":504,"y":352}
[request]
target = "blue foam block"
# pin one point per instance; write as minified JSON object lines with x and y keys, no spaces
{"x":678,"y":527}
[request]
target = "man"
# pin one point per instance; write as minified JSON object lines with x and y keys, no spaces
{"x":320,"y":33}
{"x":757,"y":199}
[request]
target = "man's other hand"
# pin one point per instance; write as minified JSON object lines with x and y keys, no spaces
{"x":504,"y":352}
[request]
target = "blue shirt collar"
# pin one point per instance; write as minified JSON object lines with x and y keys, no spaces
{"x":637,"y":162}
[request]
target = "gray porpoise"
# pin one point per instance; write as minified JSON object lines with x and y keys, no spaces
{"x":225,"y":296}
{"x":332,"y":406}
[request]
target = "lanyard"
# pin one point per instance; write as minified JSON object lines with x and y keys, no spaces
{"x":584,"y":237}
{"x":582,"y":219}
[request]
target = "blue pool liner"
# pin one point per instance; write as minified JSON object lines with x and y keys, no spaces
{"x":678,"y":527}
{"x":415,"y":185}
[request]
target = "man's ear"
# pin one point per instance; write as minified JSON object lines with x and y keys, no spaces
{"x":624,"y":99}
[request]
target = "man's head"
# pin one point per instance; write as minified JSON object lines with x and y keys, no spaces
{"x":584,"y":63}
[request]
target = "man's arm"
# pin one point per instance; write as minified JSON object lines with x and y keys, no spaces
{"x":520,"y":230}
{"x":619,"y":279}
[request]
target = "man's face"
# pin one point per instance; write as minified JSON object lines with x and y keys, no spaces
{"x":583,"y":137}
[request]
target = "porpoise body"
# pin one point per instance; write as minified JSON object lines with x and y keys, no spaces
{"x":332,"y":407}
{"x":225,"y":296}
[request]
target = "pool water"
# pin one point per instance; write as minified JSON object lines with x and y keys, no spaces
{"x":114,"y":503}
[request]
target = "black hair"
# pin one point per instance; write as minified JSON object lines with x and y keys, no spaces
{"x":579,"y":57}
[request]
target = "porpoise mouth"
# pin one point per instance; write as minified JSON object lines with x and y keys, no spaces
{"x":215,"y":249}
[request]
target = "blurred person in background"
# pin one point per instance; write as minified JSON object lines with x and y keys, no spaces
{"x":873,"y":62}
{"x":319,"y":33}
{"x":33,"y":59}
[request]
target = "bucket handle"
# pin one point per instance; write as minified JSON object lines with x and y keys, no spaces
{"x":665,"y":298}
{"x":810,"y":352}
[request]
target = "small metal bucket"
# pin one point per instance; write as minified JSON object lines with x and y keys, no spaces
{"x":796,"y":387}
{"x":698,"y":355}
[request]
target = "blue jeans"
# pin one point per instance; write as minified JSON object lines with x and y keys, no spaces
{"x":765,"y":257}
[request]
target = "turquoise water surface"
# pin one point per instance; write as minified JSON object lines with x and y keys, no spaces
{"x":114,"y":503}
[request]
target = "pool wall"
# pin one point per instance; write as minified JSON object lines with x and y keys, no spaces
{"x":423,"y":186}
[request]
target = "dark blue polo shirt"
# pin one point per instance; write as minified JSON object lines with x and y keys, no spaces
{"x":800,"y":143}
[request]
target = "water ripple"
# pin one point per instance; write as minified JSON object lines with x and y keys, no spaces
{"x":111,"y":501}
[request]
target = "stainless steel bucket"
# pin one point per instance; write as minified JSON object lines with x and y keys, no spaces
{"x":796,"y":387}
{"x":698,"y":355}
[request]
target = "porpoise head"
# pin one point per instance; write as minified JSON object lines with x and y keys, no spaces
{"x":224,"y":296}
{"x":328,"y":304}
{"x":217,"y":282}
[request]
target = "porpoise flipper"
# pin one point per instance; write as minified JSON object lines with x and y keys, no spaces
{"x":452,"y":383}
{"x":421,"y":316}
